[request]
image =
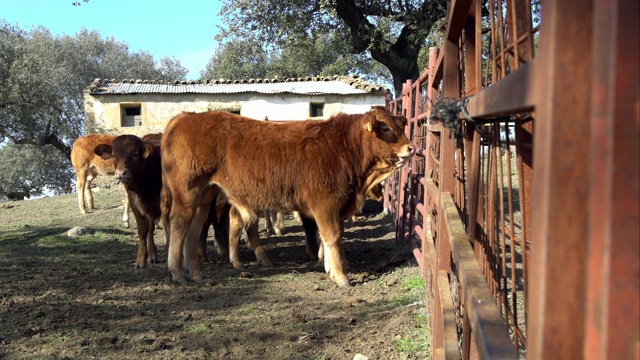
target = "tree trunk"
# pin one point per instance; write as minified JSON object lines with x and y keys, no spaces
{"x":400,"y":57}
{"x":401,"y":75}
{"x":402,"y":61}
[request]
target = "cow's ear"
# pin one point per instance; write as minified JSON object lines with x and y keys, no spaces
{"x":403,"y":120}
{"x":369,"y":119}
{"x":148,"y":149}
{"x":368,"y":126}
{"x":104,"y":151}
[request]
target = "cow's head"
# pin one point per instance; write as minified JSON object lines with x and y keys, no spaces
{"x":387,"y":140}
{"x":129,"y":154}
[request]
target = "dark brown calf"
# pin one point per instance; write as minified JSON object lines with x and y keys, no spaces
{"x":322,"y":169}
{"x":137,"y":166}
{"x":218,"y":218}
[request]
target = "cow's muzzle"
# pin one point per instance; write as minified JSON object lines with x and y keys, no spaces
{"x":123,"y":176}
{"x":405,"y":155}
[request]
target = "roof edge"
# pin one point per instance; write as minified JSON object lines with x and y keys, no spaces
{"x":355,"y":81}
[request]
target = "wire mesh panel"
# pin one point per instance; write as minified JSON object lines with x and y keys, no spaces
{"x":500,"y":244}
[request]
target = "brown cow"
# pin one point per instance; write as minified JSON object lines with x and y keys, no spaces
{"x":322,"y":169}
{"x":88,"y":166}
{"x":137,"y":166}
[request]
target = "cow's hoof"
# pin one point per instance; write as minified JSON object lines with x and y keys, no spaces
{"x":179,"y":279}
{"x":198,"y":279}
{"x":237,"y":265}
{"x":125,"y":224}
{"x":344,"y":284}
{"x":267,"y":263}
{"x":140,"y":265}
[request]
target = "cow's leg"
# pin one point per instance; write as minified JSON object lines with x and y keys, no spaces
{"x":269,"y":222}
{"x":221,"y":227}
{"x":236,"y":226}
{"x":343,"y":253}
{"x":81,"y":179}
{"x":152,"y":251}
{"x":256,"y":245}
{"x":125,"y":215}
{"x":202,"y":241}
{"x":191,"y":248}
{"x":311,"y":237}
{"x":90,"y":177}
{"x":192,"y":245}
{"x":204,"y":233}
{"x":181,"y":215}
{"x":143,"y":228}
{"x":279,"y":223}
{"x":329,"y":227}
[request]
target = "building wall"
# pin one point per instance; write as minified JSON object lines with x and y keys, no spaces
{"x":103,"y":112}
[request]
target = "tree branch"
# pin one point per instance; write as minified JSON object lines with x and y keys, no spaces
{"x":361,"y":28}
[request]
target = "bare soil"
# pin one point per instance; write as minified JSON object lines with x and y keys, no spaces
{"x":81,"y":298}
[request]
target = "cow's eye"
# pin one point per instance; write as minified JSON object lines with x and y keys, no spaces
{"x":136,"y":154}
{"x":385,"y":128}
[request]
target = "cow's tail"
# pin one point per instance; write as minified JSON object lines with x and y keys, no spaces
{"x":166,"y":201}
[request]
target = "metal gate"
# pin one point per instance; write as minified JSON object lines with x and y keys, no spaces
{"x":523,"y":261}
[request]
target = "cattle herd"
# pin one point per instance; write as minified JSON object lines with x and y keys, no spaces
{"x":217,"y":168}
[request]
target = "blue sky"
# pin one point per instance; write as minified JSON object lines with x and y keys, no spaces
{"x":184,"y":29}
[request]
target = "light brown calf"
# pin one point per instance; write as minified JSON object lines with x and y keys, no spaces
{"x":88,"y":166}
{"x":322,"y":169}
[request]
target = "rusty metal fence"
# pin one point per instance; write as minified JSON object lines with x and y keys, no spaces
{"x":510,"y":275}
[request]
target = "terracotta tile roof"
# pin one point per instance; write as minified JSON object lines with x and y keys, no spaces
{"x":315,"y":85}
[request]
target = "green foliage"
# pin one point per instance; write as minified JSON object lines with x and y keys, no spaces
{"x":236,"y":60}
{"x":42,"y":79}
{"x":416,"y":343}
{"x":414,"y":283}
{"x":26,"y":170}
{"x":320,"y":55}
{"x":390,"y":32}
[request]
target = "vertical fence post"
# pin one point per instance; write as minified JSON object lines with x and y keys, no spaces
{"x":404,"y":171}
{"x":445,"y":330}
{"x":613,"y":305}
{"x":560,"y":188}
{"x":431,"y":95}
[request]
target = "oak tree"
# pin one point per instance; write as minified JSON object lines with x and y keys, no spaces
{"x":392,"y":32}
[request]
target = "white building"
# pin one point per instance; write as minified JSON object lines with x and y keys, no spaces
{"x":140,"y":107}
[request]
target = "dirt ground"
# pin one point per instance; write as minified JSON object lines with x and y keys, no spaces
{"x":77,"y":298}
